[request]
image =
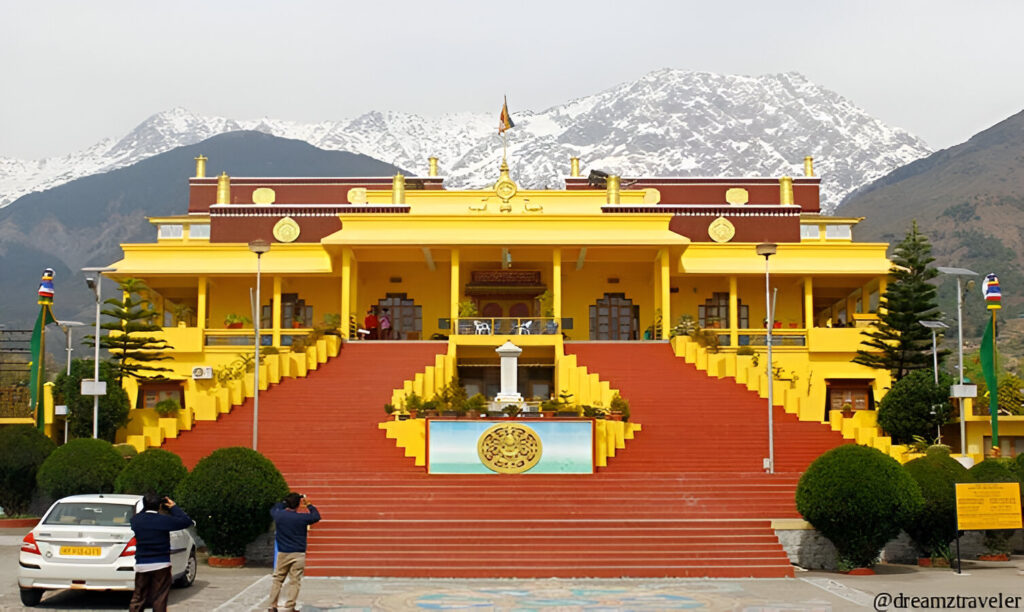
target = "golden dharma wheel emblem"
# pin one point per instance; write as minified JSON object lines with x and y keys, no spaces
{"x":509,"y":448}
{"x":286,"y":230}
{"x":264,"y":196}
{"x":721,"y":230}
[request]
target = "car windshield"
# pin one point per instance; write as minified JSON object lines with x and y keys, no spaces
{"x":91,"y":513}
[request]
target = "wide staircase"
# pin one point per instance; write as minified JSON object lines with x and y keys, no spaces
{"x":686,"y":498}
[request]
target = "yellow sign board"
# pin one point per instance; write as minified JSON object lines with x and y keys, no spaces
{"x":988,"y":505}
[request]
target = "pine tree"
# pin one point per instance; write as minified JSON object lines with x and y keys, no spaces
{"x":899,"y":343}
{"x":132,"y":351}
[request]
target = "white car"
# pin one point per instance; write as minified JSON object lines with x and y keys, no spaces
{"x":86,"y":542}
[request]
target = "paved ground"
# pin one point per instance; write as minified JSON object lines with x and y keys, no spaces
{"x":245,"y":590}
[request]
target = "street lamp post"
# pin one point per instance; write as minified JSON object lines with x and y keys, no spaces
{"x":66,"y":327}
{"x":259,"y":247}
{"x":766,"y":250}
{"x":959,"y":272}
{"x":94,"y":283}
{"x":934,"y":325}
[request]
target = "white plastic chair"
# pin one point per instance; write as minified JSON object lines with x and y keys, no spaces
{"x":523,"y":329}
{"x":483,"y":328}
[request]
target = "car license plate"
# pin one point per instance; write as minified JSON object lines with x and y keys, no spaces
{"x":80,"y":551}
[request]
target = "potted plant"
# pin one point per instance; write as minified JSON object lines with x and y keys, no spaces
{"x":182,"y":314}
{"x":476,"y":404}
{"x":413,"y":404}
{"x":511,"y":410}
{"x":167,"y":407}
{"x":430,"y":408}
{"x":549,"y":407}
{"x":236,"y":321}
{"x":467,"y":308}
{"x":619,"y":408}
{"x":847,"y":410}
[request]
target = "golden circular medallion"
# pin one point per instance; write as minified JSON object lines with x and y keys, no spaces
{"x":737,"y":196}
{"x":509,"y":448}
{"x":286,"y":230}
{"x":263,"y":195}
{"x":721,"y":230}
{"x":505,"y":188}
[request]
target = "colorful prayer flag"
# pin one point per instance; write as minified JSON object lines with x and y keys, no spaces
{"x":993,"y":297}
{"x":505,"y":121}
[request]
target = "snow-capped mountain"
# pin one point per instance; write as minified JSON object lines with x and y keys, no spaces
{"x":667,"y":123}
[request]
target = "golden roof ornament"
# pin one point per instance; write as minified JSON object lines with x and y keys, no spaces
{"x":286,"y":230}
{"x":721,"y":230}
{"x":505,"y":188}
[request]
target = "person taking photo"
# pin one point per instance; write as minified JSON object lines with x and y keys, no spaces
{"x":153,"y":551}
{"x":290,"y":535}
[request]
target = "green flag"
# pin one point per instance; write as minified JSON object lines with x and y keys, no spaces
{"x":988,"y":367}
{"x":38,"y":348}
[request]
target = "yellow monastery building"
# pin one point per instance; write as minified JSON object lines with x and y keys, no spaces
{"x":607,"y":259}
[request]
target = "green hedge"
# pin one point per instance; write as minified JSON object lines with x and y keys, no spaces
{"x":80,"y":466}
{"x":23,"y":448}
{"x":154,"y":470}
{"x":906,"y":410}
{"x":859,"y":498}
{"x":229,"y":495}
{"x":934,"y":527}
{"x":997,"y":541}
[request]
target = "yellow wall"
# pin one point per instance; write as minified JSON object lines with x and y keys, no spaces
{"x":427,"y":288}
{"x":582,"y":288}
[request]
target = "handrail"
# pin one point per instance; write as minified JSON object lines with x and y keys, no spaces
{"x":511,"y":326}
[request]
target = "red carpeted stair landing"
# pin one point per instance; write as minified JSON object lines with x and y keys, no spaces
{"x":686,"y":498}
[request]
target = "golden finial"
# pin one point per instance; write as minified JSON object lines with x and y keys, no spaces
{"x":786,"y":191}
{"x":201,"y":166}
{"x":612,"y":184}
{"x":223,"y":188}
{"x":574,"y":165}
{"x":808,"y":166}
{"x":433,"y":166}
{"x":398,"y":189}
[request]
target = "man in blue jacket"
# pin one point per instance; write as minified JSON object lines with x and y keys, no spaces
{"x":153,"y":551}
{"x":290,"y":535}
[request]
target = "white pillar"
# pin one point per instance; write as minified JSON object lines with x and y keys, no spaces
{"x":509,"y":373}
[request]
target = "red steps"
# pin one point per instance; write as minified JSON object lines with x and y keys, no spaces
{"x":680,"y":501}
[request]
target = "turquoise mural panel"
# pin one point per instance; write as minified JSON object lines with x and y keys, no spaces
{"x":567,"y":447}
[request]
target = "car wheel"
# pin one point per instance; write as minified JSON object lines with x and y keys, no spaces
{"x":186,"y":579}
{"x":31,"y":597}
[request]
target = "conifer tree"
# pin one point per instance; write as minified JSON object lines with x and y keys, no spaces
{"x":899,"y":343}
{"x":133,"y":350}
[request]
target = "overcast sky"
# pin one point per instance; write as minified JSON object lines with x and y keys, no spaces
{"x":76,"y":72}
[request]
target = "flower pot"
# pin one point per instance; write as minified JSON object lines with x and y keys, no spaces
{"x":234,"y":325}
{"x":930,"y":562}
{"x":777,"y":325}
{"x":861,"y":571}
{"x":994,"y":557}
{"x":226,"y":561}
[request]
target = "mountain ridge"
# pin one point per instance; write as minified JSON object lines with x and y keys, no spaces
{"x":667,"y":122}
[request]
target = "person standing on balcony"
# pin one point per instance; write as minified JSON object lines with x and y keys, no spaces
{"x":370,"y":323}
{"x":290,"y":528}
{"x":385,"y":325}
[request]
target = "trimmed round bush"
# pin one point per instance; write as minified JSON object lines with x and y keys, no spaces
{"x":858,"y":498}
{"x":228,"y":494}
{"x":906,"y":410}
{"x":23,"y":448}
{"x":155,"y":470}
{"x":84,"y":465}
{"x":934,"y":527}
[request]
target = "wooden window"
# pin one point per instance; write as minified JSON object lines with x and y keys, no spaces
{"x":613,"y":318}
{"x":714,"y":312}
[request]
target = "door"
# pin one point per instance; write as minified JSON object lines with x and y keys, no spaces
{"x":611,"y":318}
{"x":406,"y":316}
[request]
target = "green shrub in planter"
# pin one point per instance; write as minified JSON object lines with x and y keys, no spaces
{"x":229,"y":495}
{"x":84,"y":465}
{"x":934,"y":527}
{"x":154,"y":470}
{"x":859,"y":498}
{"x":997,"y":541}
{"x":23,"y":448}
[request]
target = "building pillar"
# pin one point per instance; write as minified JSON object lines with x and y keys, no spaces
{"x":354,"y":300}
{"x":275,"y":311}
{"x":656,"y":296}
{"x":556,"y":286}
{"x":201,"y":303}
{"x":666,"y":296}
{"x":454,"y":300}
{"x":808,"y":302}
{"x":346,"y":291}
{"x":734,"y":313}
